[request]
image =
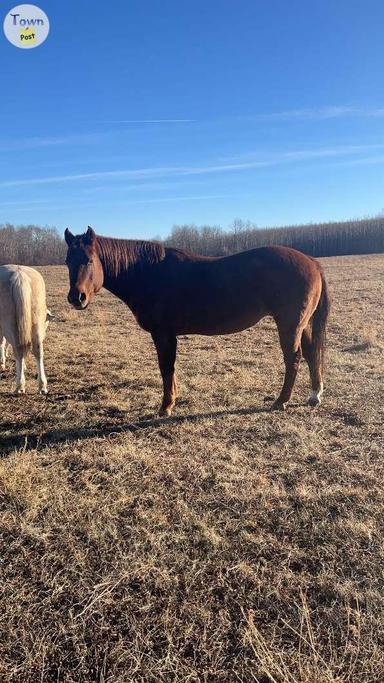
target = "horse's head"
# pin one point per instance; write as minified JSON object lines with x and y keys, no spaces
{"x":86,"y":275}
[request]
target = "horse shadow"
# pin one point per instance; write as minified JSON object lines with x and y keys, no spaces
{"x":35,"y":440}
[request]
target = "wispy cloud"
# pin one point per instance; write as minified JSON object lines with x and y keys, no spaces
{"x":137,"y":186}
{"x":363,"y":161}
{"x":151,"y":121}
{"x":26,"y":203}
{"x":297,"y":156}
{"x":97,"y":175}
{"x":53,"y":141}
{"x":321,"y":113}
{"x":305,"y":113}
{"x":305,"y":155}
{"x":160,"y":200}
{"x":77,"y":139}
{"x":58,"y":205}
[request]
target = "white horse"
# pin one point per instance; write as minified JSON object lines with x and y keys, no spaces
{"x":23,"y":319}
{"x":5,"y":346}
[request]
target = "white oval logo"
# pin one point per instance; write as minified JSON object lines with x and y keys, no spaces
{"x":26,"y":26}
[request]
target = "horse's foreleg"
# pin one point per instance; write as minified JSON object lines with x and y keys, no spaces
{"x":314,"y":365}
{"x":290,"y":341}
{"x":166,"y":345}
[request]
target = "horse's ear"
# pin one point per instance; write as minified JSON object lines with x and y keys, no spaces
{"x":68,"y":236}
{"x":90,"y":236}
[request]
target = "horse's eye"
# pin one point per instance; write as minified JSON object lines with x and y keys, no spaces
{"x":90,"y":262}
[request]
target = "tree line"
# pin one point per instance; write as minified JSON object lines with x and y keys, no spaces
{"x":31,"y":245}
{"x":34,"y":245}
{"x":364,"y":236}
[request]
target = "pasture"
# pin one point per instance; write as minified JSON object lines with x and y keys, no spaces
{"x":224,"y":544}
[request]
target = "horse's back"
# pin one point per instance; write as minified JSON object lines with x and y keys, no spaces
{"x":255,"y":268}
{"x":269,"y":257}
{"x":286,"y":277}
{"x":274,"y":258}
{"x":10,"y":273}
{"x":21,"y":283}
{"x":227,"y":294}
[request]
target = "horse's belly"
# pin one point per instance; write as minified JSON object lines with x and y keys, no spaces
{"x":225,"y":325}
{"x":203,"y":312}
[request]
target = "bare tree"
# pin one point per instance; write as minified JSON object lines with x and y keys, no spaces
{"x":31,"y":245}
{"x":364,"y":236}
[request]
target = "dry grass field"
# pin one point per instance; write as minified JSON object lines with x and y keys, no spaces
{"x":224,"y":544}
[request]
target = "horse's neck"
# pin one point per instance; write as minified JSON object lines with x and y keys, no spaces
{"x":121,"y":285}
{"x":122,"y":280}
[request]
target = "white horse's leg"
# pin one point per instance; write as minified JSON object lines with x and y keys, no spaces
{"x":3,"y":353}
{"x":38,"y":352}
{"x":20,"y":372}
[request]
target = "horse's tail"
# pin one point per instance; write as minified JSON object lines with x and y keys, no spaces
{"x":21,"y":292}
{"x":319,"y":322}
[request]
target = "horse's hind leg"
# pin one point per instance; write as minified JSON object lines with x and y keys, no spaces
{"x":290,"y":341}
{"x":20,"y":369}
{"x":38,"y":352}
{"x":314,"y":365}
{"x":166,"y":346}
{"x":3,"y":353}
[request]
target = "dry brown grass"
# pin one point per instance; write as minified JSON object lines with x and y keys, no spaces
{"x":228,"y":544}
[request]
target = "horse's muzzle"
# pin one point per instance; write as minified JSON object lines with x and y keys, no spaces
{"x":78,"y":300}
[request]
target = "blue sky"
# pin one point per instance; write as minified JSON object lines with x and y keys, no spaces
{"x":140,"y":114}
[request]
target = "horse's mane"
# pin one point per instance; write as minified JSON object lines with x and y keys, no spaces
{"x":117,"y":255}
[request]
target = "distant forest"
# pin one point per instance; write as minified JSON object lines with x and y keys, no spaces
{"x":34,"y":245}
{"x":30,"y":245}
{"x":365,"y":236}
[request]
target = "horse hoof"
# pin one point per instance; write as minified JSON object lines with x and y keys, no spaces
{"x":43,"y":391}
{"x":165,"y":412}
{"x":20,"y":391}
{"x":314,"y":401}
{"x":278,"y":406}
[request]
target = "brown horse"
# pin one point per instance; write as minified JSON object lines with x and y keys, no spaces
{"x":172,"y":292}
